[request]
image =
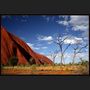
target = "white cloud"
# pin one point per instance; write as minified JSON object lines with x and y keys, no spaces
{"x":50,"y":42}
{"x":32,"y":46}
{"x":64,"y":16}
{"x":65,"y":23}
{"x":36,"y":48}
{"x":79,"y":22}
{"x":80,"y":27}
{"x":48,"y":39}
{"x":45,"y":38}
{"x":85,"y":34}
{"x":73,"y":40}
{"x":43,"y":48}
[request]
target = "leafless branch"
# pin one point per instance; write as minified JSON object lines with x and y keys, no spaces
{"x":66,"y":48}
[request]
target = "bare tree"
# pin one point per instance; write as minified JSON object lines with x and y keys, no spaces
{"x":53,"y":55}
{"x":60,"y":42}
{"x":76,"y":50}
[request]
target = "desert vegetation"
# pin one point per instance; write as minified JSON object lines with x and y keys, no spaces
{"x":81,"y":68}
{"x":13,"y":61}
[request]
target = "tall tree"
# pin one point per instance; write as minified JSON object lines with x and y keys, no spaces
{"x":60,"y":42}
{"x":78,"y":49}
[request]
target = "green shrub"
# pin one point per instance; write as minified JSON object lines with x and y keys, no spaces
{"x":27,"y":65}
{"x":31,"y":61}
{"x":83,"y":62}
{"x":33,"y":67}
{"x":13,"y":61}
{"x":70,"y":63}
{"x":45,"y":64}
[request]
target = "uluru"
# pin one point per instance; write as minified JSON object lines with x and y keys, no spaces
{"x":12,"y":45}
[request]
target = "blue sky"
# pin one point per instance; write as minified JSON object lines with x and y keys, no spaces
{"x":39,"y":31}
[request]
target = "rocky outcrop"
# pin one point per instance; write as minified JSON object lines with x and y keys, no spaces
{"x":11,"y":46}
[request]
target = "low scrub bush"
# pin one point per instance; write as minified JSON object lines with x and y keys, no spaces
{"x":13,"y":61}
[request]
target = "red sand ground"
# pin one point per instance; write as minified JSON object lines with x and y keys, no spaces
{"x":29,"y":72}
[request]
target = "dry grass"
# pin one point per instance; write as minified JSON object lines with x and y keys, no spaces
{"x":46,"y":70}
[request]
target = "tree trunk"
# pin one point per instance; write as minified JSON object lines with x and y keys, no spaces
{"x":61,"y":58}
{"x":74,"y":59}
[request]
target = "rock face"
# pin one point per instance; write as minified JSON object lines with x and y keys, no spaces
{"x":13,"y":46}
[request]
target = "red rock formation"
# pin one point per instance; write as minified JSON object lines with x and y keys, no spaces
{"x":13,"y":46}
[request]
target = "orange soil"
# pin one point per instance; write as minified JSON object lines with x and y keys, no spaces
{"x":37,"y":72}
